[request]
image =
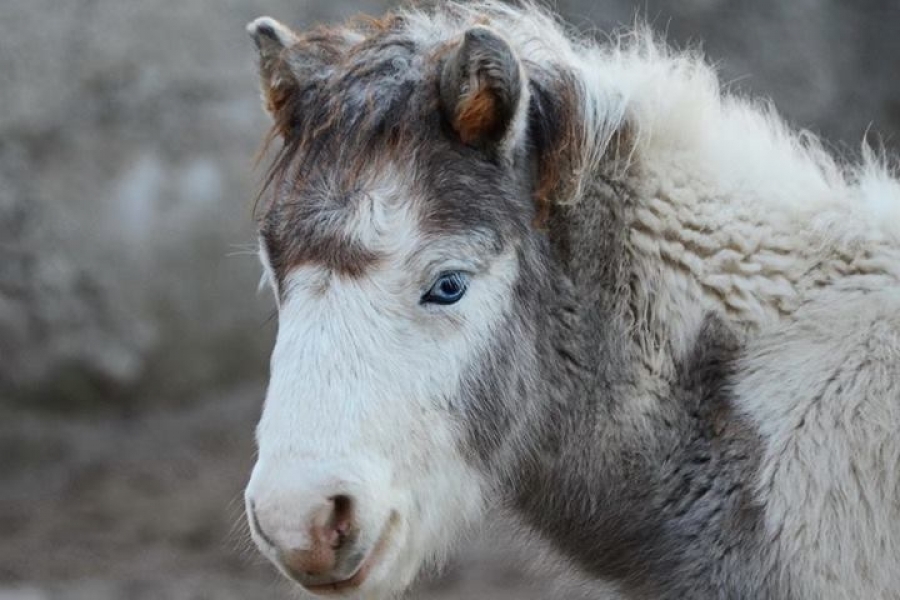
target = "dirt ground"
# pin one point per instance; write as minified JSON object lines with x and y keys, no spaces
{"x":149,"y":507}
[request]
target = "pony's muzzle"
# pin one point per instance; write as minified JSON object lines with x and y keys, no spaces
{"x":324,"y":533}
{"x":321,"y":554}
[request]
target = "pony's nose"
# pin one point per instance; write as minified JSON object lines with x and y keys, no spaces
{"x":329,"y":527}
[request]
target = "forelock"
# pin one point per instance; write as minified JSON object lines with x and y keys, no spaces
{"x":366,"y":111}
{"x":365,"y":99}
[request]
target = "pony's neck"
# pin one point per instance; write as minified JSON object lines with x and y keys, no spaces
{"x":580,"y":486}
{"x":623,"y":410}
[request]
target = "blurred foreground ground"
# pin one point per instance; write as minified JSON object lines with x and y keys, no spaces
{"x":151,"y":509}
{"x":133,"y":345}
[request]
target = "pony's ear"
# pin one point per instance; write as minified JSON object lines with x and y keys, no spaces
{"x":276,"y":77}
{"x":481,"y":89}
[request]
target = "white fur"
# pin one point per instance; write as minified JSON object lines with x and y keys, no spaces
{"x":268,"y":275}
{"x":824,"y":390}
{"x":357,"y":402}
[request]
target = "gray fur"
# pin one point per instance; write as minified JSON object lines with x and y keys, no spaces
{"x":665,"y":510}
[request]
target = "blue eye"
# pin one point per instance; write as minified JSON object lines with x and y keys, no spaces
{"x":448,"y":289}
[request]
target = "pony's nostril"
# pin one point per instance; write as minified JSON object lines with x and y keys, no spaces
{"x":330,"y":528}
{"x":341,"y":518}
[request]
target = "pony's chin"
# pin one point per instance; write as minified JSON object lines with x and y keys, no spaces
{"x":375,"y":587}
{"x":380,"y":584}
{"x":387,"y":573}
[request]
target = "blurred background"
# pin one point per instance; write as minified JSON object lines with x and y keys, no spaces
{"x":133,"y":341}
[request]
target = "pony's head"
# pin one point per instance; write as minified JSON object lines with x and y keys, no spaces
{"x":399,"y":232}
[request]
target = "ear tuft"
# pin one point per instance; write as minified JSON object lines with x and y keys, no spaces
{"x":276,"y":79}
{"x":270,"y":36}
{"x":481,"y":88}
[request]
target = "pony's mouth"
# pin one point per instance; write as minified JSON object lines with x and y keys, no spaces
{"x":365,"y":567}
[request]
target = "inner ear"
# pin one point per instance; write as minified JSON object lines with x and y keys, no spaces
{"x":481,"y":89}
